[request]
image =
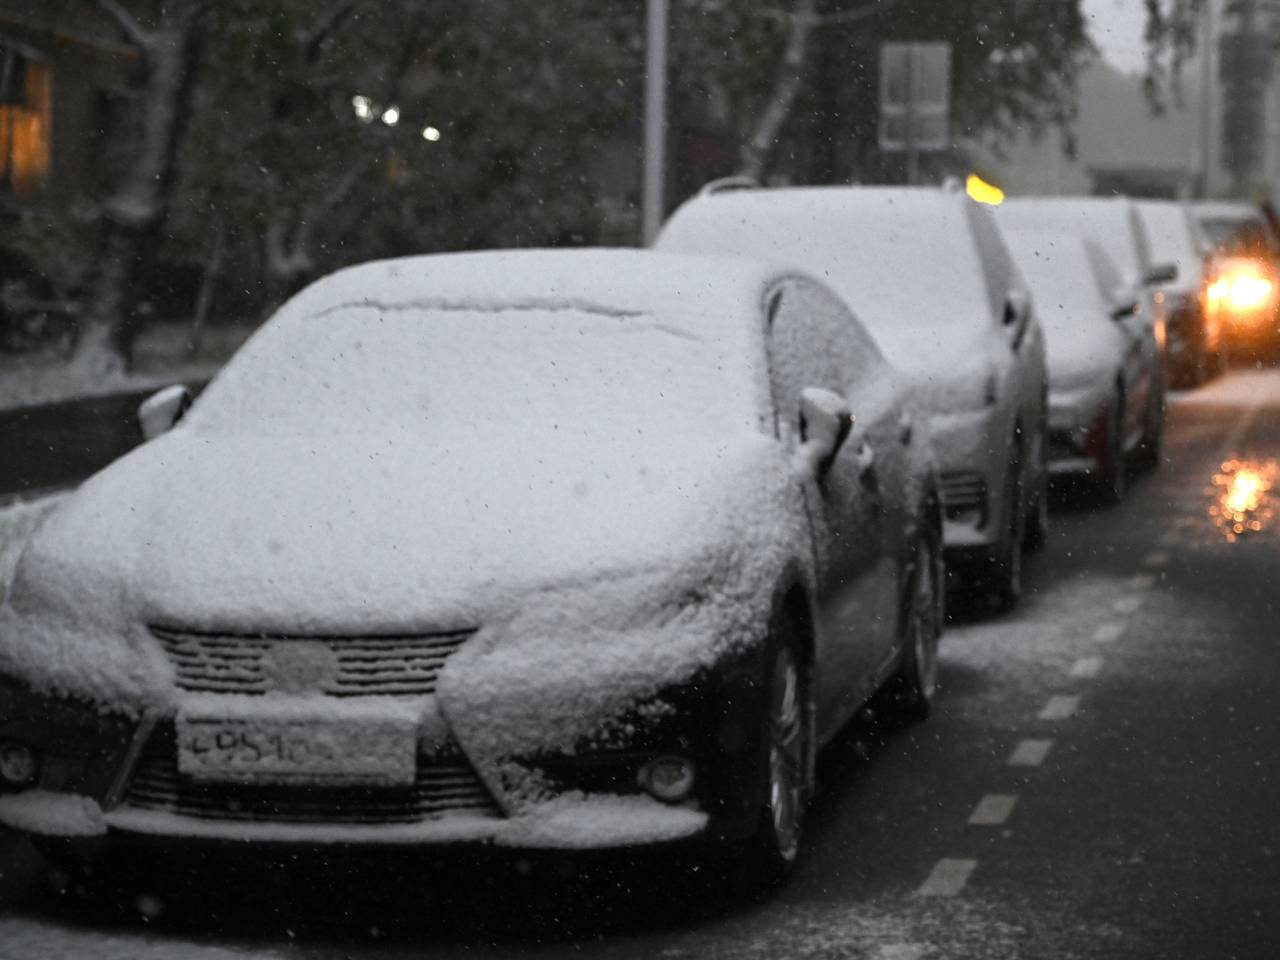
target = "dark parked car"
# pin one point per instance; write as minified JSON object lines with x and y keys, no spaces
{"x":535,"y":549}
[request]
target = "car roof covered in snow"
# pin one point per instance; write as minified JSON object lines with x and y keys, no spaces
{"x":1112,"y":222}
{"x":693,"y":292}
{"x":904,"y":258}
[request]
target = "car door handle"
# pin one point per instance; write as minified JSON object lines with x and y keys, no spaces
{"x":905,"y":428}
{"x":865,"y":456}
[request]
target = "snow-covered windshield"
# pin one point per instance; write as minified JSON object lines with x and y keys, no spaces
{"x":902,"y":258}
{"x":361,"y":370}
{"x":1063,"y":273}
{"x":1169,"y":228}
{"x":1113,"y":224}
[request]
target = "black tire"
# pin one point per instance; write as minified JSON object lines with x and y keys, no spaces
{"x":1153,"y":435}
{"x":1115,"y":471}
{"x":916,"y":683}
{"x":1006,"y":561}
{"x":770,"y":853}
{"x":1194,"y":368}
{"x":1037,"y":525}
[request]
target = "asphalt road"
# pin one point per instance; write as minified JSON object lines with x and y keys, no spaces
{"x":1099,"y":781}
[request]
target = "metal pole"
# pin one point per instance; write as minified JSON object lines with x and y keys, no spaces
{"x":1206,"y":97}
{"x":655,"y":119}
{"x":913,"y":158}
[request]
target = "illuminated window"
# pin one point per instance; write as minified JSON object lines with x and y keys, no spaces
{"x":25,"y":122}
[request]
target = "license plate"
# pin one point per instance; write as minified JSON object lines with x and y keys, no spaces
{"x":371,"y":752}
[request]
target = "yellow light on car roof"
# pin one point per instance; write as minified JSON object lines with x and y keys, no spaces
{"x":983,"y":192}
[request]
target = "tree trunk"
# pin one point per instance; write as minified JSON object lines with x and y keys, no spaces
{"x":132,"y":216}
{"x":754,"y":154}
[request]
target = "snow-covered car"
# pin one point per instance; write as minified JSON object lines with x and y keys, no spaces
{"x":928,"y":273}
{"x":1197,"y":346}
{"x":539,"y":549}
{"x":1096,"y":360}
{"x":1114,"y":225}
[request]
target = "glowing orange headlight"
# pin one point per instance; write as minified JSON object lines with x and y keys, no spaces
{"x":1242,"y":288}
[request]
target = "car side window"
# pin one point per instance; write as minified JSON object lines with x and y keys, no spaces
{"x":813,"y":341}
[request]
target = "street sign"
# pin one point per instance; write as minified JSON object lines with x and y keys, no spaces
{"x":915,"y":96}
{"x":1245,"y":70}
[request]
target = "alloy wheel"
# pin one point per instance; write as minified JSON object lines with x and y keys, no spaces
{"x":786,"y":754}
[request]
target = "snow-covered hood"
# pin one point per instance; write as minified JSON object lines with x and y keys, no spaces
{"x":340,"y":536}
{"x":952,"y":370}
{"x":1081,"y":351}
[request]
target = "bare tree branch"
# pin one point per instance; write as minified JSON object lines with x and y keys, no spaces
{"x":854,"y":15}
{"x":133,"y":31}
{"x":326,"y":23}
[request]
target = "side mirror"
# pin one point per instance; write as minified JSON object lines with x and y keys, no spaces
{"x":159,"y":412}
{"x":1161,"y":273}
{"x":1125,"y":307}
{"x":825,"y":422}
{"x":1017,"y":308}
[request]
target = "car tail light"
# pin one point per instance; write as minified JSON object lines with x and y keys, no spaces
{"x":667,"y":778}
{"x":18,"y":764}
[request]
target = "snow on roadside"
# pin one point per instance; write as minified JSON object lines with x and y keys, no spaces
{"x":1237,"y":388}
{"x":17,"y":522}
{"x":23,"y":939}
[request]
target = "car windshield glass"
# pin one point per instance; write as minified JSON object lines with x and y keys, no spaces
{"x":358,"y":370}
{"x":1235,"y":236}
{"x":1061,"y":276}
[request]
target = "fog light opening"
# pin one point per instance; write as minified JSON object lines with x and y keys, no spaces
{"x":668,"y":778}
{"x":17,"y":764}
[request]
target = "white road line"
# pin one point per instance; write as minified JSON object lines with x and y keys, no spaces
{"x":1086,"y":668}
{"x":1156,"y":558}
{"x":1129,"y":604}
{"x":902,"y":951}
{"x":1142,"y":581}
{"x":1108,"y":632}
{"x":993,"y":810}
{"x":1060,"y":707}
{"x":947,"y":878}
{"x":1029,"y":753}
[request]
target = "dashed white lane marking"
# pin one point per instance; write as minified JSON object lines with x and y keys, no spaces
{"x":902,"y":951}
{"x":1156,"y":558}
{"x":993,"y":810}
{"x":947,"y":878}
{"x":1108,"y":632}
{"x":1142,"y":581}
{"x":1085,"y":668}
{"x":1130,"y":604}
{"x":1060,"y":707}
{"x":1029,"y":753}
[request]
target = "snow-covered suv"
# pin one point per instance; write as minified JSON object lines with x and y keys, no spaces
{"x":927,"y":272}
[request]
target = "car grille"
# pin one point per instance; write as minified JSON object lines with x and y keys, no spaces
{"x":443,"y":785}
{"x":964,"y":496}
{"x":362,"y":666}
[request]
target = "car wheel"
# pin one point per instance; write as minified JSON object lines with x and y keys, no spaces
{"x":787,"y":740}
{"x":1037,"y":525}
{"x":1115,"y":470}
{"x":916,"y":682}
{"x":1007,"y":575}
{"x":1153,"y":435}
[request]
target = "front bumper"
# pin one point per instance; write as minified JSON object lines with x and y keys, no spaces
{"x":1078,"y":433}
{"x":108,"y":779}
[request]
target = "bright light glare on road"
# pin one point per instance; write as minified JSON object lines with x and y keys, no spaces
{"x":362,"y":106}
{"x":430,"y":133}
{"x":1242,"y":497}
{"x":391,"y":116}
